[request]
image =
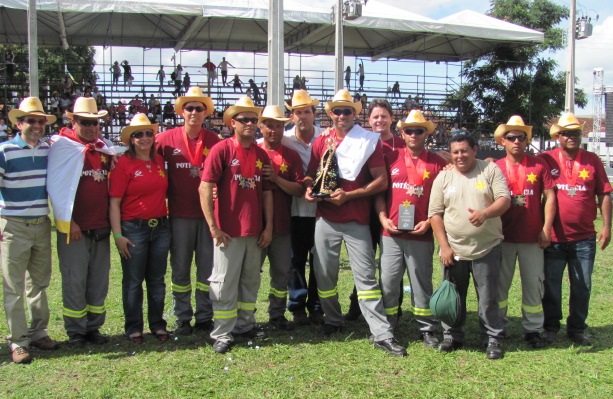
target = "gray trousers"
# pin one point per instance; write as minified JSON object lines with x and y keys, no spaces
{"x":280,"y":259}
{"x":234,"y":287}
{"x":398,"y":255}
{"x":189,"y":235}
{"x":485,"y":271}
{"x":85,"y":266}
{"x":531,"y":269}
{"x":328,"y":239}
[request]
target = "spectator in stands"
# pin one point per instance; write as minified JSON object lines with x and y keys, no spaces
{"x":186,"y":82}
{"x":169,"y":113}
{"x":409,"y":104}
{"x":54,"y":103}
{"x":210,"y":70}
{"x":134,"y":104}
{"x":364,"y":100}
{"x":396,"y":89}
{"x":65,"y":102}
{"x":100,"y":101}
{"x":127,"y":73}
{"x":303,"y":81}
{"x":360,"y":73}
{"x":237,"y":82}
{"x":161,"y":75}
{"x":121,"y":113}
{"x":347,"y":77}
{"x":223,"y":67}
{"x":3,"y":130}
{"x":296,"y":82}
{"x":116,"y":70}
{"x":177,"y":77}
{"x":9,"y":61}
{"x":255,"y":90}
{"x":67,"y":84}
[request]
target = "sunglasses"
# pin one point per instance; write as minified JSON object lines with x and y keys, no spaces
{"x":244,"y":121}
{"x":513,"y":138}
{"x":417,"y":132}
{"x":139,"y":135}
{"x":32,"y":121}
{"x":192,"y":109}
{"x":344,"y":111}
{"x":570,"y":133}
{"x":87,"y":122}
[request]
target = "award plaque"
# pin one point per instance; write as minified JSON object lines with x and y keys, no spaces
{"x":326,"y":180}
{"x":406,"y":217}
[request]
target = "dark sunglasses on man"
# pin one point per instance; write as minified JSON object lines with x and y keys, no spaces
{"x":409,"y":131}
{"x":87,"y":122}
{"x":512,"y":138}
{"x":570,"y":133}
{"x":343,"y":111}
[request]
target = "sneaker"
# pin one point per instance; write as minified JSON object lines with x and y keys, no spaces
{"x":535,"y":340}
{"x":221,"y":346}
{"x":329,"y":329}
{"x":430,"y":340}
{"x":301,"y":318}
{"x":96,"y":337}
{"x":46,"y":344}
{"x":449,"y":345}
{"x":391,"y":346}
{"x":254,"y":333}
{"x":281,"y":323}
{"x":184,"y":328}
{"x":581,"y":339}
{"x":20,"y":355}
{"x":76,"y":340}
{"x":494,"y":351}
{"x":354,"y":312}
{"x":204,"y":326}
{"x":317,"y":317}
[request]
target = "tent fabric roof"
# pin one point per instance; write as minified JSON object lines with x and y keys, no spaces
{"x":241,"y":25}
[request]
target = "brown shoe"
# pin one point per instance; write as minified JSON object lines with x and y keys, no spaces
{"x":46,"y":344}
{"x":21,"y":355}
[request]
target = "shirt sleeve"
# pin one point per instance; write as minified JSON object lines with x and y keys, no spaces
{"x":376,"y":159}
{"x":119,"y":178}
{"x":602,"y":181}
{"x":214,"y":165}
{"x":498,"y":182}
{"x":437,"y":205}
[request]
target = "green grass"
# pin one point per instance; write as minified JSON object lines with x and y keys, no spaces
{"x":300,"y":364}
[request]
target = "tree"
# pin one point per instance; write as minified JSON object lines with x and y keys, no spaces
{"x":520,"y":81}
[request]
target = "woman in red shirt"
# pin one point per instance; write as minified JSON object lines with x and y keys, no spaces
{"x":140,"y":227}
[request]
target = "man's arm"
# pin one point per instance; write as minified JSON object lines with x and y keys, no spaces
{"x":500,"y":206}
{"x":550,"y":214}
{"x":381,"y":210}
{"x":206,"y":203}
{"x":438,"y":228}
{"x":604,"y":235}
{"x":377,"y":185}
{"x":266,"y":236}
{"x":290,"y":187}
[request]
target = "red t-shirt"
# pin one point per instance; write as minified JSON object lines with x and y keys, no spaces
{"x":91,"y":205}
{"x":141,"y":186}
{"x":390,"y":149}
{"x":239,"y":211}
{"x":290,"y":170}
{"x":356,"y":210}
{"x":574,"y":220}
{"x":522,"y":224}
{"x":183,"y":180}
{"x":397,"y":192}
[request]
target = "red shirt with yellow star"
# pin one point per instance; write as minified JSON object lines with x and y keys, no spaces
{"x":290,"y":168}
{"x":183,"y":179}
{"x":523,"y":222}
{"x":91,"y":203}
{"x":239,"y":207}
{"x":577,"y":208}
{"x":142,"y":187}
{"x":397,"y":192}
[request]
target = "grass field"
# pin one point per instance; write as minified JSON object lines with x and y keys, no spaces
{"x":300,"y":364}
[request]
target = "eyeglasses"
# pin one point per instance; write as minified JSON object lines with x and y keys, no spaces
{"x":409,"y":131}
{"x":192,"y":109}
{"x":245,"y":121}
{"x":513,"y":138}
{"x":343,"y":111}
{"x":32,"y":121}
{"x":87,"y":122}
{"x":570,"y":133}
{"x":139,"y":135}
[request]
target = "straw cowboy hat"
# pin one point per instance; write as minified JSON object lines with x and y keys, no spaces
{"x":194,"y":94}
{"x":30,"y":106}
{"x":85,"y":107}
{"x":244,"y":104}
{"x":273,"y":112}
{"x":343,"y":98}
{"x":515,"y":123}
{"x":416,"y":119}
{"x":301,"y":98}
{"x":568,"y":121}
{"x":138,"y":122}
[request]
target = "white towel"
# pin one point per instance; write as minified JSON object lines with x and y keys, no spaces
{"x":353,"y":152}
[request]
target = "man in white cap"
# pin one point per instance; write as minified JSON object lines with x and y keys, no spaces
{"x":25,"y":229}
{"x":185,"y":149}
{"x":285,"y":171}
{"x":240,"y":220}
{"x":407,"y":242}
{"x":580,"y":178}
{"x":79,"y":163}
{"x":300,"y":138}
{"x":526,"y":226}
{"x":345,"y":216}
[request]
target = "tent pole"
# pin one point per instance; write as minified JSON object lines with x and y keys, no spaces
{"x":33,"y":47}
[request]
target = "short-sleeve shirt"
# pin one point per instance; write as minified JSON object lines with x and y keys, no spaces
{"x":523,"y":222}
{"x":91,"y":204}
{"x":142,"y":187}
{"x":183,"y":179}
{"x":356,"y":210}
{"x":238,"y":209}
{"x":454,"y":193}
{"x":574,"y":220}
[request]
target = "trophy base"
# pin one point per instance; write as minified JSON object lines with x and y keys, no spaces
{"x":320,"y":195}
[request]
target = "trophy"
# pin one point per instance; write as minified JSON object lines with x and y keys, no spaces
{"x":326,"y":180}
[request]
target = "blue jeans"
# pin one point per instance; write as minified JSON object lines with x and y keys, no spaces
{"x":148,"y":263}
{"x":301,"y":293}
{"x":579,"y":256}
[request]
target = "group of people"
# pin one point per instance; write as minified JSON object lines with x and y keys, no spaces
{"x":294,"y":198}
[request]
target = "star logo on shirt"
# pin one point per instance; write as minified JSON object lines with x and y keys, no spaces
{"x":283,"y":167}
{"x":205,"y":151}
{"x":426,"y":175}
{"x":480,"y":185}
{"x":259,"y":164}
{"x":161,"y":172}
{"x":406,"y":203}
{"x":584,"y":174}
{"x":103,"y":159}
{"x":531,"y":178}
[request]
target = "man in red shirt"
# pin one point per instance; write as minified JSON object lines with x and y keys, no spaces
{"x":344,"y":216}
{"x":285,"y":172}
{"x":407,"y":242}
{"x":525,"y":226}
{"x":241,"y":223}
{"x":579,"y":177}
{"x":185,"y":149}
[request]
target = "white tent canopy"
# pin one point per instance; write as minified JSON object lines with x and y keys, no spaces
{"x":241,"y":25}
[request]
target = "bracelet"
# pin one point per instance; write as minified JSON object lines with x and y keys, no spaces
{"x":117,"y":235}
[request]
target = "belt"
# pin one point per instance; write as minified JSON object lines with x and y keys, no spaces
{"x":147,"y":222}
{"x":39,"y":220}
